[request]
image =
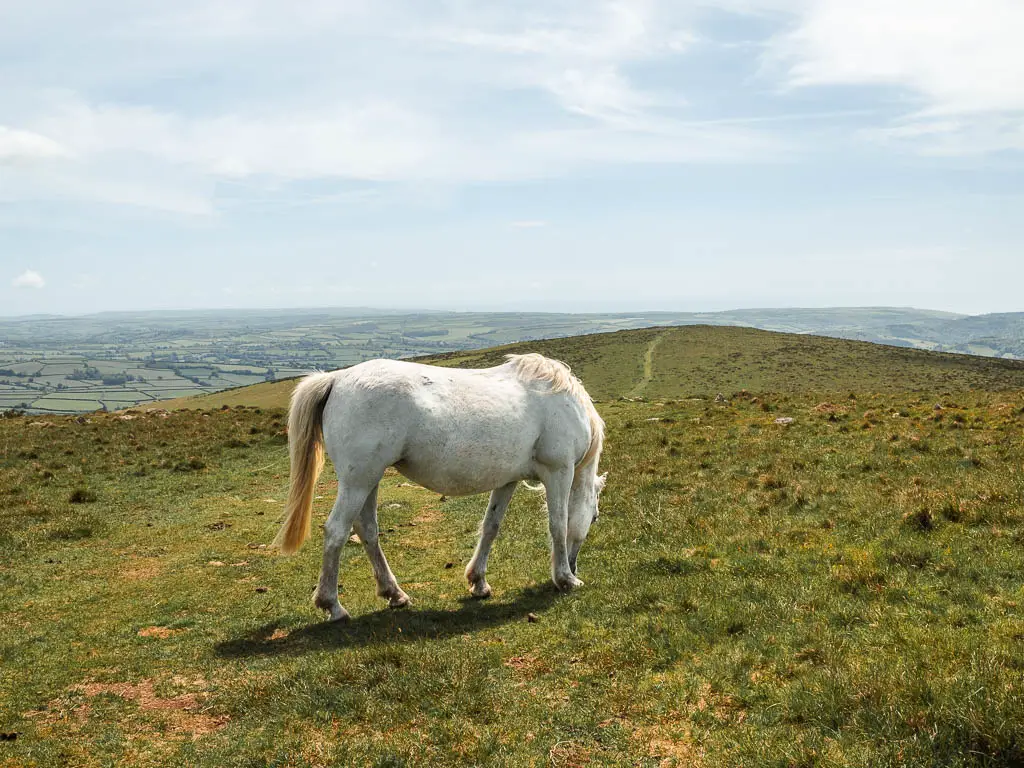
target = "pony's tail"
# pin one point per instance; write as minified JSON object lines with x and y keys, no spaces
{"x":306,"y":446}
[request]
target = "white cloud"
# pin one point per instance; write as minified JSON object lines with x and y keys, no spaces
{"x":372,"y":141}
{"x":459,"y":93}
{"x":961,"y":57}
{"x":29,"y":279}
{"x":292,"y":108}
{"x":24,"y":146}
{"x":961,"y":62}
{"x":579,"y":55}
{"x":164,"y":160}
{"x":529,"y":224}
{"x":953,"y":136}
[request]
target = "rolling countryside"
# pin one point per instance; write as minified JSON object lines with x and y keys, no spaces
{"x":115,"y":360}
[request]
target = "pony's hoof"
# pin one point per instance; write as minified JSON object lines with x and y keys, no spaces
{"x":401,"y":601}
{"x":339,"y":614}
{"x":333,"y":607}
{"x":481,"y":590}
{"x":568,"y":583}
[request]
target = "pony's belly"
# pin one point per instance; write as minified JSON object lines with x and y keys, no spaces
{"x":452,"y":482}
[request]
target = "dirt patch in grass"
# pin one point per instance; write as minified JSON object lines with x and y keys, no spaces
{"x":161,"y":632}
{"x":141,"y":568}
{"x":426,"y":516}
{"x":569,"y":754}
{"x":670,"y":748}
{"x":527,"y":666}
{"x":183,"y":712}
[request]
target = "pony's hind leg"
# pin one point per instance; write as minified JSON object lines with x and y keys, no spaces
{"x":476,"y":571}
{"x":366,"y":527}
{"x":336,"y":530}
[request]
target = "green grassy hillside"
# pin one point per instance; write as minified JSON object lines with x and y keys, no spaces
{"x":706,"y":360}
{"x":842,"y":589}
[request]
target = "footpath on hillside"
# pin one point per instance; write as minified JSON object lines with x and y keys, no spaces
{"x":641,"y":386}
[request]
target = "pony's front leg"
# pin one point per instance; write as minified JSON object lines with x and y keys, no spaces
{"x":557,"y":486}
{"x":336,"y":531}
{"x":369,"y":534}
{"x":476,"y":571}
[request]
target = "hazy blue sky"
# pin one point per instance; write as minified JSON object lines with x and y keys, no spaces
{"x":555,"y":154}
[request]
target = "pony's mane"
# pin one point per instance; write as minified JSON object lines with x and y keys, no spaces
{"x":536,"y":367}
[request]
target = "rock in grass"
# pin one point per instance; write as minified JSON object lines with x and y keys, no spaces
{"x":82,"y":496}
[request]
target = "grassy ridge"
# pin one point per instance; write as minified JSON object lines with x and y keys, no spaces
{"x":705,"y":360}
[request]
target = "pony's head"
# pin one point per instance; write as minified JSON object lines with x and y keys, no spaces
{"x":586,"y":483}
{"x":583,"y":508}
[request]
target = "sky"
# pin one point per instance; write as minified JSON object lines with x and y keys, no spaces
{"x":563,"y":155}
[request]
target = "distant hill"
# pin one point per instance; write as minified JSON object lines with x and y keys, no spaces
{"x":678,"y":362}
{"x":983,"y":334}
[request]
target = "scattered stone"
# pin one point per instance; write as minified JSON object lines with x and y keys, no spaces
{"x":396,"y":505}
{"x":261,"y":590}
{"x":447,"y":566}
{"x":532,"y":618}
{"x":354,"y":539}
{"x":216,"y":563}
{"x":720,"y":398}
{"x":220,"y":525}
{"x":785,"y":420}
{"x":444,"y":499}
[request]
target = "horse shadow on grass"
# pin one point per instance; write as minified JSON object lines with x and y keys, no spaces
{"x":389,"y":626}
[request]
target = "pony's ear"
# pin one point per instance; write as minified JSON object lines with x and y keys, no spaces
{"x":601,"y":480}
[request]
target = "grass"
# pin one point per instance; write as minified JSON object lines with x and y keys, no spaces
{"x":844,"y":589}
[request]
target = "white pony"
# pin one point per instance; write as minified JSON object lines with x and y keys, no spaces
{"x":455,"y":431}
